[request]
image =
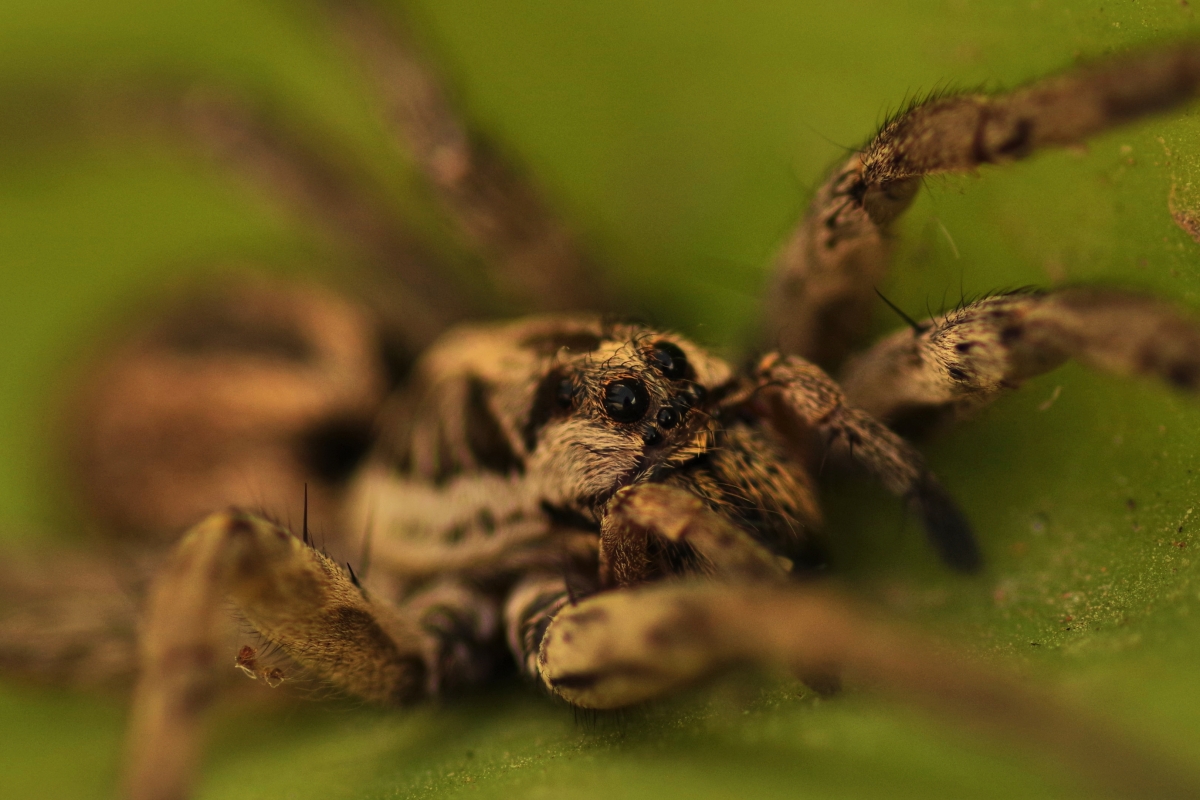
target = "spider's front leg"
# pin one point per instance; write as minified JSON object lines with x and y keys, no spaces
{"x":632,"y":645}
{"x":655,"y":522}
{"x":822,"y":293}
{"x":649,"y":531}
{"x":298,"y":600}
{"x":947,"y":368}
{"x":798,"y":397}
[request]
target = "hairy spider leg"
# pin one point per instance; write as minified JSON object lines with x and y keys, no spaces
{"x":628,"y":646}
{"x":531,"y":606}
{"x":525,"y":251}
{"x":962,"y":361}
{"x":799,"y":396}
{"x":640,"y":516}
{"x":823,"y":280}
{"x":298,"y":600}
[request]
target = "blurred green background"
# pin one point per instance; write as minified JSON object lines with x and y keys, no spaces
{"x":682,"y":139}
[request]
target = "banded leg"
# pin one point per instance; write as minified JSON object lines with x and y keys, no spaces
{"x":533,"y":256}
{"x":632,"y":645}
{"x":531,"y":606}
{"x":69,"y":619}
{"x":297,"y":599}
{"x":950,"y":367}
{"x":416,"y":294}
{"x":655,"y":530}
{"x":821,"y":297}
{"x":256,"y":394}
{"x":799,"y":397}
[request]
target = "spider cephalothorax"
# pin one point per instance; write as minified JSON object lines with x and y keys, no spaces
{"x":619,"y":510}
{"x":580,"y":406}
{"x":571,"y":410}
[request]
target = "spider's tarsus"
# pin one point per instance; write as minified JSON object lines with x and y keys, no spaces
{"x":947,"y":527}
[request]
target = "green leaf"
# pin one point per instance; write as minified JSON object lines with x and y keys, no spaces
{"x":682,"y":139}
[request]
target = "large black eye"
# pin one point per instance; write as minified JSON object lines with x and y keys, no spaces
{"x":670,"y":360}
{"x":626,"y":400}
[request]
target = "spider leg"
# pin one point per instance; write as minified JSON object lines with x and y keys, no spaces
{"x":639,"y":522}
{"x":68,"y":618}
{"x":297,"y":599}
{"x":798,"y":396}
{"x":296,"y":168}
{"x":644,"y":519}
{"x":531,"y":607}
{"x":258,"y":394}
{"x":822,"y":293}
{"x":964,"y":360}
{"x":632,"y":645}
{"x":534,"y":257}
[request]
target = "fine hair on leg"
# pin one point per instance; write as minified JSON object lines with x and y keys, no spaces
{"x":295,"y":598}
{"x":949,"y":367}
{"x":640,"y":521}
{"x":800,"y":397}
{"x":632,"y":645}
{"x":823,"y":281}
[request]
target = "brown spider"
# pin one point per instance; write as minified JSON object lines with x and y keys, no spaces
{"x":619,"y":510}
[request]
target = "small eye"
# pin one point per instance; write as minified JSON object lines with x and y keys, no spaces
{"x":565,"y":394}
{"x":693,"y":395}
{"x":626,"y":400}
{"x":667,"y":418}
{"x":670,"y":360}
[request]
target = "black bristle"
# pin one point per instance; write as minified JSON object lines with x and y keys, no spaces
{"x":306,"y":514}
{"x":918,"y":328}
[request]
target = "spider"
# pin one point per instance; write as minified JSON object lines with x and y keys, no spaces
{"x":605,"y":500}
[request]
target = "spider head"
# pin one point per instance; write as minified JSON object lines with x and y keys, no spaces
{"x":618,"y":405}
{"x":576,"y":406}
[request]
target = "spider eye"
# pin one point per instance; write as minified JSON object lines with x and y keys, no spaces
{"x":669,"y":360}
{"x":693,"y":395}
{"x":626,"y":400}
{"x":565,"y":394}
{"x":667,"y":418}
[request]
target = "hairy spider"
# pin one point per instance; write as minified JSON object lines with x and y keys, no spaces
{"x":611,"y":505}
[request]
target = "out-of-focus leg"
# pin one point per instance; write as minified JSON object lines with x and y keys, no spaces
{"x":529,"y":252}
{"x":628,"y":646}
